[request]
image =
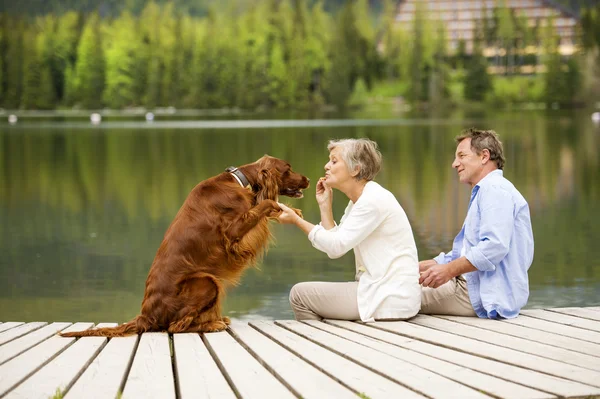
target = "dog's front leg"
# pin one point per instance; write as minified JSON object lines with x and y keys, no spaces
{"x":247,"y":221}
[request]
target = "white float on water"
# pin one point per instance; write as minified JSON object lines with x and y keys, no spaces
{"x":95,"y":118}
{"x":149,"y":116}
{"x":596,"y":117}
{"x":12,"y":119}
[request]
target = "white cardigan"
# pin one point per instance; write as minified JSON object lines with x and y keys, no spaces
{"x":377,"y":228}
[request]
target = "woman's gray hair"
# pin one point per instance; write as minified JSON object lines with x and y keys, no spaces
{"x":359,"y":153}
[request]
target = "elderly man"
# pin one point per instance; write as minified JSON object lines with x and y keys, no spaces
{"x":485,"y":274}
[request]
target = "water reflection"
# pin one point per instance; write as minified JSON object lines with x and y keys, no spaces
{"x":82,"y":211}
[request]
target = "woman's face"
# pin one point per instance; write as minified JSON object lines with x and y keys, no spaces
{"x":336,"y":170}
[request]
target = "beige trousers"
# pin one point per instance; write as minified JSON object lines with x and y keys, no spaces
{"x":316,"y":300}
{"x":451,"y":298}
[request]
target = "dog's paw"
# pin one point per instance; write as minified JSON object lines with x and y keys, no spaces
{"x":275,"y":213}
{"x":214,"y":326}
{"x":297,"y":212}
{"x":226,"y":320}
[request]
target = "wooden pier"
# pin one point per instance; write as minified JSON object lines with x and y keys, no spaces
{"x":544,"y":353}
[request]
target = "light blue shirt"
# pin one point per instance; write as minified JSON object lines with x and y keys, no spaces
{"x":498,"y":241}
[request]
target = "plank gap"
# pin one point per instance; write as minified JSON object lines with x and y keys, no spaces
{"x":347,"y":357}
{"x":220,"y":366}
{"x":174,"y":367}
{"x":264,"y":364}
{"x":291,"y":350}
{"x":129,"y":364}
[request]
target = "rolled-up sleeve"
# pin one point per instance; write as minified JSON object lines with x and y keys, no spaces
{"x":495,"y":230}
{"x":361,"y":220}
{"x":443,"y":258}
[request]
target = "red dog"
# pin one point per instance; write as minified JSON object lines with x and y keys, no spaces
{"x":221,"y":229}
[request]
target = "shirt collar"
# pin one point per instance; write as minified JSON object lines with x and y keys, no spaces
{"x":489,"y":177}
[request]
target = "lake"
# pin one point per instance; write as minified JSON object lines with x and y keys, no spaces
{"x":84,"y":208}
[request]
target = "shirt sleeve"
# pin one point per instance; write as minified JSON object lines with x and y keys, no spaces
{"x":443,"y":258}
{"x":355,"y":226}
{"x":495,"y":229}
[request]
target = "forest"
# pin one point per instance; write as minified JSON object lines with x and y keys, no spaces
{"x":276,"y":54}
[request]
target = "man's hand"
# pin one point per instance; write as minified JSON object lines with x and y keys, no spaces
{"x":435,"y":276}
{"x":426,"y":264}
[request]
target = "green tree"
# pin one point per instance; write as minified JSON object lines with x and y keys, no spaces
{"x":31,"y":71}
{"x":478,"y":81}
{"x":562,"y":79}
{"x":440,"y":75}
{"x":149,"y":21}
{"x":66,"y":35}
{"x":13,"y":60}
{"x":2,"y":60}
{"x":90,"y":68}
{"x":299,"y":77}
{"x":122,"y":52}
{"x":316,"y":50}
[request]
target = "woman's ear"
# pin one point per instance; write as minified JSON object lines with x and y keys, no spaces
{"x":356,"y":171}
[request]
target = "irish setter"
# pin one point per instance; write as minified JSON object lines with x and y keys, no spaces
{"x":221,"y":229}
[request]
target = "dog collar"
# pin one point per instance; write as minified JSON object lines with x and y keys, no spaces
{"x":239,"y":176}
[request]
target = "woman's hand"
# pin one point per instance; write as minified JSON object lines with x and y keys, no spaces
{"x":288,"y":215}
{"x":324,"y":194}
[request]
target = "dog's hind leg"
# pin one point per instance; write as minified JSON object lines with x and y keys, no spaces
{"x":201,"y":296}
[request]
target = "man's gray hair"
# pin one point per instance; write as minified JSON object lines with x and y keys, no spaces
{"x":359,"y":153}
{"x":484,"y":140}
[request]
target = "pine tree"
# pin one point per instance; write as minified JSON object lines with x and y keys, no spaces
{"x":31,"y":72}
{"x":90,"y":68}
{"x":122,"y":50}
{"x":13,"y":59}
{"x":2,"y":60}
{"x":345,"y":64}
{"x":63,"y":55}
{"x":478,"y":81}
{"x":46,"y":94}
{"x":149,"y":21}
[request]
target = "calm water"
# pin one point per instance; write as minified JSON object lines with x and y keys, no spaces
{"x":83,"y":210}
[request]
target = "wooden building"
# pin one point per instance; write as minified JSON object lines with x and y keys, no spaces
{"x":460,"y":18}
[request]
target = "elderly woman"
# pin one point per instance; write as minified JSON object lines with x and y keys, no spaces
{"x":375,"y":226}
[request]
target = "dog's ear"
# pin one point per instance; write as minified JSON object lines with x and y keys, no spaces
{"x":268,"y":188}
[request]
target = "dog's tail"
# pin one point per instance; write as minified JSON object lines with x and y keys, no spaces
{"x":135,"y":326}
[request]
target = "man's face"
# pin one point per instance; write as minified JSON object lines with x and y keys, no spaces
{"x":468,"y":164}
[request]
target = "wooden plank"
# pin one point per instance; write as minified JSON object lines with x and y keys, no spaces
{"x":578,"y":312}
{"x":495,"y":352}
{"x":104,"y":377}
{"x":8,"y":325}
{"x":530,"y":378}
{"x":151,"y":374}
{"x":60,"y":373}
{"x":16,"y":370}
{"x":20,"y":345}
{"x":355,"y":377}
{"x":415,"y":378}
{"x":562,"y":319}
{"x":19,"y":331}
{"x":522,"y":345}
{"x":556,"y":328}
{"x":245,"y":374}
{"x":497,"y":387}
{"x":198,"y":376}
{"x":547,"y":338}
{"x":290,"y":368}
